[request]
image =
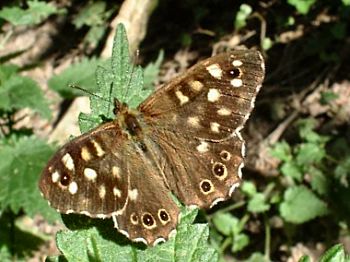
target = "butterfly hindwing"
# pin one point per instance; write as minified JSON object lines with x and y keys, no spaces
{"x":150,"y":214}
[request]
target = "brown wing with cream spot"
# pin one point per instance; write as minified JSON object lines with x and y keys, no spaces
{"x":197,"y":120}
{"x":199,"y":172}
{"x":211,"y":99}
{"x":150,"y":214}
{"x":85,"y":176}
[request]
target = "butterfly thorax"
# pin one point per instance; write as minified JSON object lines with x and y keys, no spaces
{"x":128,"y":120}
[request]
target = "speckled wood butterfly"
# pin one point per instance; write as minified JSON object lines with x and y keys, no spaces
{"x":184,"y":139}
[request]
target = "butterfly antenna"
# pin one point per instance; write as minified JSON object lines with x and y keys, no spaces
{"x":86,"y":91}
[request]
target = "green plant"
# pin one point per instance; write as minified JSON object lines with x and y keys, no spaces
{"x":22,"y":156}
{"x":93,"y":15}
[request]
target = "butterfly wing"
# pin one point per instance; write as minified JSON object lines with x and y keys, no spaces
{"x":104,"y":173}
{"x":85,"y":176}
{"x":150,"y":214}
{"x":196,"y":122}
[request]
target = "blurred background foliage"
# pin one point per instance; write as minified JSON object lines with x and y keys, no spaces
{"x":294,"y":202}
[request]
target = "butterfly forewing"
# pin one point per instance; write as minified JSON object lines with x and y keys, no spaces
{"x":85,"y":176}
{"x":211,"y":99}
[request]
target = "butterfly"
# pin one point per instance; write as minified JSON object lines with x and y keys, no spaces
{"x":184,"y":140}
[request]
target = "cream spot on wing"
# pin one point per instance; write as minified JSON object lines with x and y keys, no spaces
{"x":68,"y":162}
{"x":99,"y":151}
{"x":90,"y":174}
{"x":196,"y":85}
{"x":173,"y":117}
{"x":86,"y":213}
{"x":102,"y":191}
{"x":117,"y":192}
{"x":116,"y":171}
{"x":73,"y":188}
{"x":55,"y":176}
{"x":224,"y":111}
{"x":183,"y":99}
{"x":215,"y":127}
{"x":233,"y":187}
{"x":236,"y":82}
{"x":203,"y":147}
{"x":85,"y":154}
{"x":133,"y":194}
{"x":215,"y":71}
{"x":237,"y":63}
{"x":213,"y":95}
{"x":193,"y":121}
{"x":159,"y":240}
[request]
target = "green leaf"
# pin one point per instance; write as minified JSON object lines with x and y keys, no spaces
{"x":282,"y":151}
{"x":292,"y":170}
{"x":302,"y":6}
{"x":225,"y":223}
{"x":319,"y":182}
{"x":81,"y":74}
{"x":123,"y":81}
{"x":342,"y":171}
{"x":240,"y":241}
{"x":304,"y":259}
{"x":120,"y":64}
{"x":307,"y":133}
{"x":257,"y":257}
{"x":346,"y":2}
{"x":335,"y":254}
{"x":267,"y":43}
{"x":91,"y":15}
{"x":301,"y":205}
{"x":6,"y":71}
{"x":95,"y":34}
{"x":97,"y":242}
{"x":18,"y":92}
{"x":21,"y":162}
{"x":248,"y":188}
{"x":242,"y":16}
{"x":310,"y":153}
{"x":258,"y":204}
{"x":151,"y":71}
{"x":36,"y":13}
